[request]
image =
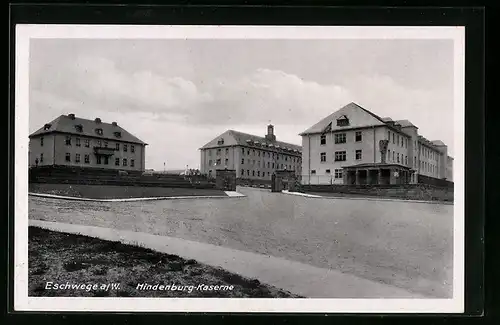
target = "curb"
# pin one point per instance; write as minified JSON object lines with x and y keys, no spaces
{"x":230,"y":195}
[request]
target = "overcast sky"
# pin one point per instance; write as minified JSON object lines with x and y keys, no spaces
{"x":177,"y":95}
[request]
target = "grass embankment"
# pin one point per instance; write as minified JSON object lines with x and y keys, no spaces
{"x":75,"y":259}
{"x":119,"y":192}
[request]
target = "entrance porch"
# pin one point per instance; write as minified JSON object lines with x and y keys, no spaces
{"x":377,"y":174}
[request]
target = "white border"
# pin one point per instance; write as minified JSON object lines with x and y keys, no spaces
{"x":24,"y":303}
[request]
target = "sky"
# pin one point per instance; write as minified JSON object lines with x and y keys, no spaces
{"x":178,"y":94}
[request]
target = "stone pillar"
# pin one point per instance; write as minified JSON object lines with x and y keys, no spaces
{"x":392,"y":178}
{"x":368,"y":177}
{"x":379,"y":176}
{"x":357,"y":176}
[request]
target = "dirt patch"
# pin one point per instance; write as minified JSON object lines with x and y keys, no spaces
{"x":86,"y":265}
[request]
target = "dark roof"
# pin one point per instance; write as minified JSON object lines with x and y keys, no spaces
{"x":68,"y":125}
{"x":241,"y":138}
{"x":378,"y":165}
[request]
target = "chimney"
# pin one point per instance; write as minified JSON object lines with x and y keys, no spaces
{"x":270,"y":133}
{"x":114,"y":124}
{"x":71,"y":116}
{"x":97,"y":120}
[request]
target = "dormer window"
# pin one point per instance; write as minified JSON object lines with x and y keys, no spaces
{"x":46,"y":127}
{"x":118,"y":134}
{"x":220,"y":142}
{"x":98,"y":131}
{"x":79,"y":128}
{"x":343,"y":121}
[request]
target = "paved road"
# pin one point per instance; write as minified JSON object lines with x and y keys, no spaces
{"x":408,"y":245}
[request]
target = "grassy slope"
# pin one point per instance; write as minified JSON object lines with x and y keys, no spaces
{"x":62,"y":258}
{"x":119,"y":192}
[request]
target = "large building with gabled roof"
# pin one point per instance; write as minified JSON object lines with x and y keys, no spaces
{"x":253,"y":157}
{"x":356,"y":146}
{"x":73,"y":141}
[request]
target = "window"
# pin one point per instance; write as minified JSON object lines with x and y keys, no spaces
{"x":258,"y":152}
{"x":340,"y":138}
{"x":87,"y":143}
{"x":414,"y":161}
{"x":248,"y":172}
{"x":117,"y":161}
{"x":398,"y":156}
{"x":248,"y":152}
{"x":393,"y":159}
{"x":226,"y":162}
{"x":327,"y":171}
{"x":79,"y":128}
{"x":389,"y":154}
{"x":253,"y":172}
{"x":242,"y":151}
{"x":87,"y":159}
{"x":343,"y":121}
{"x":340,"y":156}
{"x":106,"y":160}
{"x":313,"y":172}
{"x":227,"y":151}
{"x":358,"y":155}
{"x":389,"y":135}
{"x":117,"y":146}
{"x":132,"y":163}
{"x":98,"y":160}
{"x":220,"y":142}
{"x":286,"y":158}
{"x":98,"y":131}
{"x":99,"y":143}
{"x":242,"y":172}
{"x":258,"y":173}
{"x":77,"y":142}
{"x":242,"y":161}
{"x":68,"y":140}
{"x":273,"y":165}
{"x":359,"y":136}
{"x":41,"y":158}
{"x":77,"y":158}
{"x":268,"y":155}
{"x":253,"y":152}
{"x":393,"y":139}
{"x":41,"y":142}
{"x":68,"y":156}
{"x":406,"y":160}
{"x":323,"y":156}
{"x":105,"y":144}
{"x":124,"y":161}
{"x":268,"y":164}
{"x":218,"y":163}
{"x":323,"y":140}
{"x":338,"y":173}
{"x":125,"y":148}
{"x":398,"y":139}
{"x":118,"y":134}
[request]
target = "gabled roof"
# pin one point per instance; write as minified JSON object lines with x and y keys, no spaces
{"x":438,"y":143}
{"x":244,"y":139}
{"x":405,"y":123}
{"x":68,"y":125}
{"x":324,"y":123}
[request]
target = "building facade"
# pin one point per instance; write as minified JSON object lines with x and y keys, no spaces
{"x":73,"y":141}
{"x":355,"y":146}
{"x":252,"y":157}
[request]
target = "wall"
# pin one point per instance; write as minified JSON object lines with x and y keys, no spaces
{"x":407,"y":191}
{"x":61,"y":149}
{"x":369,"y":147}
{"x":36,"y":149}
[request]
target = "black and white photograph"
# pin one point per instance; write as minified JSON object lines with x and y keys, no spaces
{"x":239,"y":168}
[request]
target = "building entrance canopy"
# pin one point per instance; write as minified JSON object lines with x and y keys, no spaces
{"x":377,"y":174}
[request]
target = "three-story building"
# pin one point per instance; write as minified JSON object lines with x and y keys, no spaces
{"x":72,"y":141}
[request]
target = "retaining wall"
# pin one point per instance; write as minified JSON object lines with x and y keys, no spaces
{"x":404,"y":191}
